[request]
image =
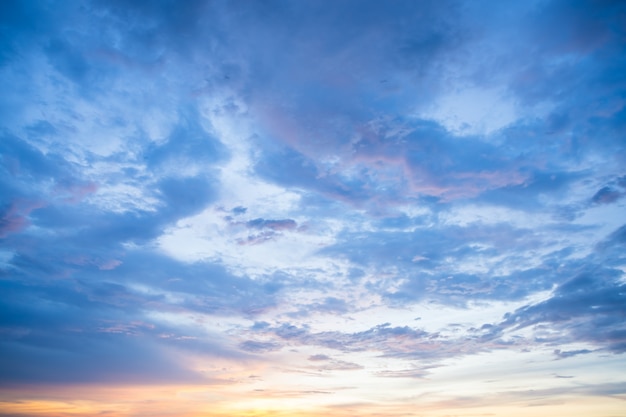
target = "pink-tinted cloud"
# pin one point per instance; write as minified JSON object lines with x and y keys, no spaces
{"x":15,"y":218}
{"x":74,"y":193}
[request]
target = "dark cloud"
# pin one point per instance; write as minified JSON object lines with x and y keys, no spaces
{"x":606,"y":195}
{"x":203,"y":287}
{"x":382,"y":157}
{"x":266,"y":229}
{"x":302,"y":172}
{"x":258,"y":239}
{"x":14,"y":217}
{"x":186,"y":196}
{"x":94,"y":321}
{"x":47,"y":191}
{"x":616,"y":239}
{"x":160,"y":24}
{"x":316,"y":358}
{"x":587,"y":25}
{"x":22,"y":23}
{"x":258,"y":347}
{"x":569,"y":353}
{"x":23,"y":161}
{"x":529,"y":194}
{"x":70,"y":62}
{"x":58,"y":334}
{"x":118,"y":360}
{"x":610,"y":193}
{"x":31,"y":181}
{"x":286,"y":224}
{"x":587,"y":308}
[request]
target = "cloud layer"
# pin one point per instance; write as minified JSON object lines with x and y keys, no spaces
{"x":349,"y":196}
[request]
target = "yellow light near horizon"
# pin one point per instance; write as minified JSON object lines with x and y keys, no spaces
{"x":206,"y":401}
{"x":53,"y":408}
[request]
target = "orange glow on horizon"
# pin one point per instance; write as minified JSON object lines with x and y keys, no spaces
{"x":203,"y":401}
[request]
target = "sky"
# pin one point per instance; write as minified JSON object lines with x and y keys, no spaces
{"x":303,"y":208}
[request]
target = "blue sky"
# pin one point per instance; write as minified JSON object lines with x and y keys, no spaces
{"x":300,"y":207}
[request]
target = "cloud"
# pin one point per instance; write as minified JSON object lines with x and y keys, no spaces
{"x":258,"y":347}
{"x":263,"y":230}
{"x":414,"y":373}
{"x":421,"y":160}
{"x":319,"y":357}
{"x":275,"y":225}
{"x":186,"y":196}
{"x":568,"y":354}
{"x":115,"y":337}
{"x":188,"y":150}
{"x":606,"y":195}
{"x":610,"y":193}
{"x":15,"y":217}
{"x":387,"y":340}
{"x":586,"y":309}
{"x":22,"y":22}
{"x":337,"y":365}
{"x":445,"y":253}
{"x":616,"y":239}
{"x":66,"y":347}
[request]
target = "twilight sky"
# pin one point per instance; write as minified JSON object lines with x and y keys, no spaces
{"x":303,"y":208}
